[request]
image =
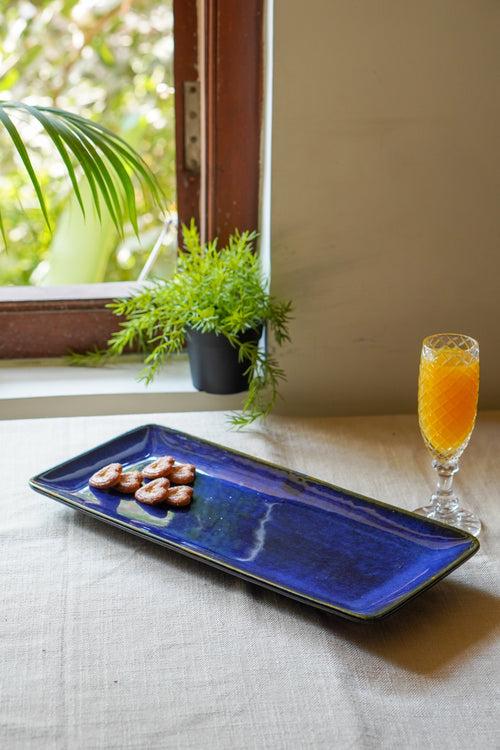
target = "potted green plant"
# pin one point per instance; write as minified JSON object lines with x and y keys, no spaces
{"x":218,"y":303}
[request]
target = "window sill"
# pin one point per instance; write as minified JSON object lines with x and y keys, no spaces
{"x":32,"y":389}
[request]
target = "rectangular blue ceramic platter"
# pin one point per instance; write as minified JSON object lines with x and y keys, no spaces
{"x":296,"y":535}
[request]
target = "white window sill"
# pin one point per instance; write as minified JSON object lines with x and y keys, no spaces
{"x":34,"y":389}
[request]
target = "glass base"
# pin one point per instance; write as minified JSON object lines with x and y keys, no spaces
{"x":460,"y":517}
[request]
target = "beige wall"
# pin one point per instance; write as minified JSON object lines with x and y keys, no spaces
{"x":385,"y":193}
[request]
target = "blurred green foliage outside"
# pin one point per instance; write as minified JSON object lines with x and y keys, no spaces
{"x":109,"y":60}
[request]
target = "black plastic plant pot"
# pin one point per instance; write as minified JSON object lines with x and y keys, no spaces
{"x":214,"y":362}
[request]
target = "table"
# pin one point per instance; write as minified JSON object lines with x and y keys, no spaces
{"x":110,"y":642}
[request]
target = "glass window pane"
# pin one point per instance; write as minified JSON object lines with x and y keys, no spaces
{"x":110,"y":60}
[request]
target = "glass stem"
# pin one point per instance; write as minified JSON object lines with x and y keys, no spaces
{"x":444,"y":499}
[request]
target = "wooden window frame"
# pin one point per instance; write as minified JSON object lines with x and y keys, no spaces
{"x":219,"y":43}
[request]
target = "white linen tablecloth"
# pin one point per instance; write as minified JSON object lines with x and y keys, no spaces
{"x":108,"y":641}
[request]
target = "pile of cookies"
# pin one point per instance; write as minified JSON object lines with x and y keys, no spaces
{"x":168,"y":481}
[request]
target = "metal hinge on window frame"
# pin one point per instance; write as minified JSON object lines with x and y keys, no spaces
{"x":192,"y":146}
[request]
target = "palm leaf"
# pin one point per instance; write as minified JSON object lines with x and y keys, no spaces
{"x":53,"y":129}
{"x":134,"y":159}
{"x":104,"y":180}
{"x":21,"y":150}
{"x":121,"y":173}
{"x":84,"y":159}
{"x":108,"y":162}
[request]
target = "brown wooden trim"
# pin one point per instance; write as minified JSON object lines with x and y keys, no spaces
{"x":50,"y":321}
{"x":233,"y":101}
{"x":185,"y":69}
{"x":53,"y":332}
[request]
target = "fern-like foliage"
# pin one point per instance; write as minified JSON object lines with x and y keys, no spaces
{"x":220,"y":291}
{"x":105,"y":159}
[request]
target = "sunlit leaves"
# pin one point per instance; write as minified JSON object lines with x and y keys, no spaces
{"x":21,"y":150}
{"x":110,"y":62}
{"x":98,"y":156}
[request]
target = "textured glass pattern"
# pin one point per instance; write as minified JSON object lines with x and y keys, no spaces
{"x":448,"y":391}
{"x":448,"y":387}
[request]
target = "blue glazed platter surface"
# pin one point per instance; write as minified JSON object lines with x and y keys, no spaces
{"x":320,"y":544}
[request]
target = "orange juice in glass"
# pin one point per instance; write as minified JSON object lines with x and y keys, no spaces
{"x":447,"y":402}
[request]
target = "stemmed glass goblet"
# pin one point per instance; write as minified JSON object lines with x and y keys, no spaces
{"x":447,"y":403}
